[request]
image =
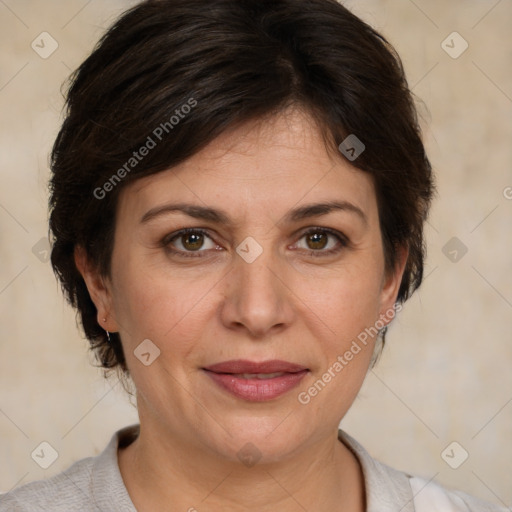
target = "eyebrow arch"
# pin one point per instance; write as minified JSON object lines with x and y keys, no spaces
{"x":220,"y":217}
{"x":317,"y":209}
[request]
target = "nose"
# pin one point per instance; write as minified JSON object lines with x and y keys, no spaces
{"x":258,"y":299}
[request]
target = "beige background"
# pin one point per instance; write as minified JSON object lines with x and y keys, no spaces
{"x":445,"y":374}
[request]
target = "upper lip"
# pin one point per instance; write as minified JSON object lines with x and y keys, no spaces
{"x":244,"y":366}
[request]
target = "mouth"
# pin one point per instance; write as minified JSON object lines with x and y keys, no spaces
{"x":256,"y":381}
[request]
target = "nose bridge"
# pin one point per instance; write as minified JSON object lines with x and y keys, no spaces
{"x":257,"y":296}
{"x":256,"y":267}
{"x":258,"y":276}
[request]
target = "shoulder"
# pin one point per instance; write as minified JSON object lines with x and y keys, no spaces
{"x":67,"y":491}
{"x":388,"y":489}
{"x":93,"y":484}
{"x":430,"y":496}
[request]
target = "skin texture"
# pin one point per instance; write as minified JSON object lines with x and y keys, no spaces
{"x":287,"y":304}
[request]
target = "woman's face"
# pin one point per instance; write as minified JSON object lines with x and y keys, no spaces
{"x":261,"y":278}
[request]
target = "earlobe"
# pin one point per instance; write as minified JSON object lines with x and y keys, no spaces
{"x":391,"y":285}
{"x":98,"y":289}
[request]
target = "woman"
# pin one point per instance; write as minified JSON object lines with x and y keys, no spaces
{"x":237,"y":205}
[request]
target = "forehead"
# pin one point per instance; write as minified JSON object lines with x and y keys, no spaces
{"x":265,"y":166}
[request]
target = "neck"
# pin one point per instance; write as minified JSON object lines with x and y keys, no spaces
{"x":159,"y":470}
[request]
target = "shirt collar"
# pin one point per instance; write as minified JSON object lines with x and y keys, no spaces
{"x":386,"y":489}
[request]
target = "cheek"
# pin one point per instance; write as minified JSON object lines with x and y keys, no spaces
{"x":160,"y":306}
{"x":347,"y":310}
{"x":346,"y":300}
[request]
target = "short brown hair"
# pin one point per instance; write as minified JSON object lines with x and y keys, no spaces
{"x":231,"y":61}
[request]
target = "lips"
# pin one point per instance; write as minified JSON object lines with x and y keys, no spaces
{"x":256,"y":381}
{"x":243,"y":366}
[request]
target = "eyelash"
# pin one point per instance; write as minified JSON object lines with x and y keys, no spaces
{"x":343,"y":242}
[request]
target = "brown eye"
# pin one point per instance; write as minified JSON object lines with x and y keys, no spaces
{"x":323,"y":242}
{"x":317,"y":240}
{"x":189,"y":241}
{"x":192,"y":241}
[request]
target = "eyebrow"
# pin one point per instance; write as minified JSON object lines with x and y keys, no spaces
{"x":220,"y":217}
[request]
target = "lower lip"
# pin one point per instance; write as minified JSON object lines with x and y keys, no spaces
{"x":257,"y":390}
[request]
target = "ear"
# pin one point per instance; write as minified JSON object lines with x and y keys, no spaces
{"x":99,"y":290}
{"x":391,"y":285}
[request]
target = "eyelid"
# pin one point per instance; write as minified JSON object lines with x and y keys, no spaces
{"x":342,"y":239}
{"x":166,"y":241}
{"x":330,"y":231}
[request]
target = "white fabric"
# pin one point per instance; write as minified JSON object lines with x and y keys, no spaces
{"x":430,"y":497}
{"x":95,"y":484}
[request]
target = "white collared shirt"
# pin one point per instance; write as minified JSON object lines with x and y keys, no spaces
{"x":95,"y":484}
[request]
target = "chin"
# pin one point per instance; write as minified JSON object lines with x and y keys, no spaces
{"x":266,"y":438}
